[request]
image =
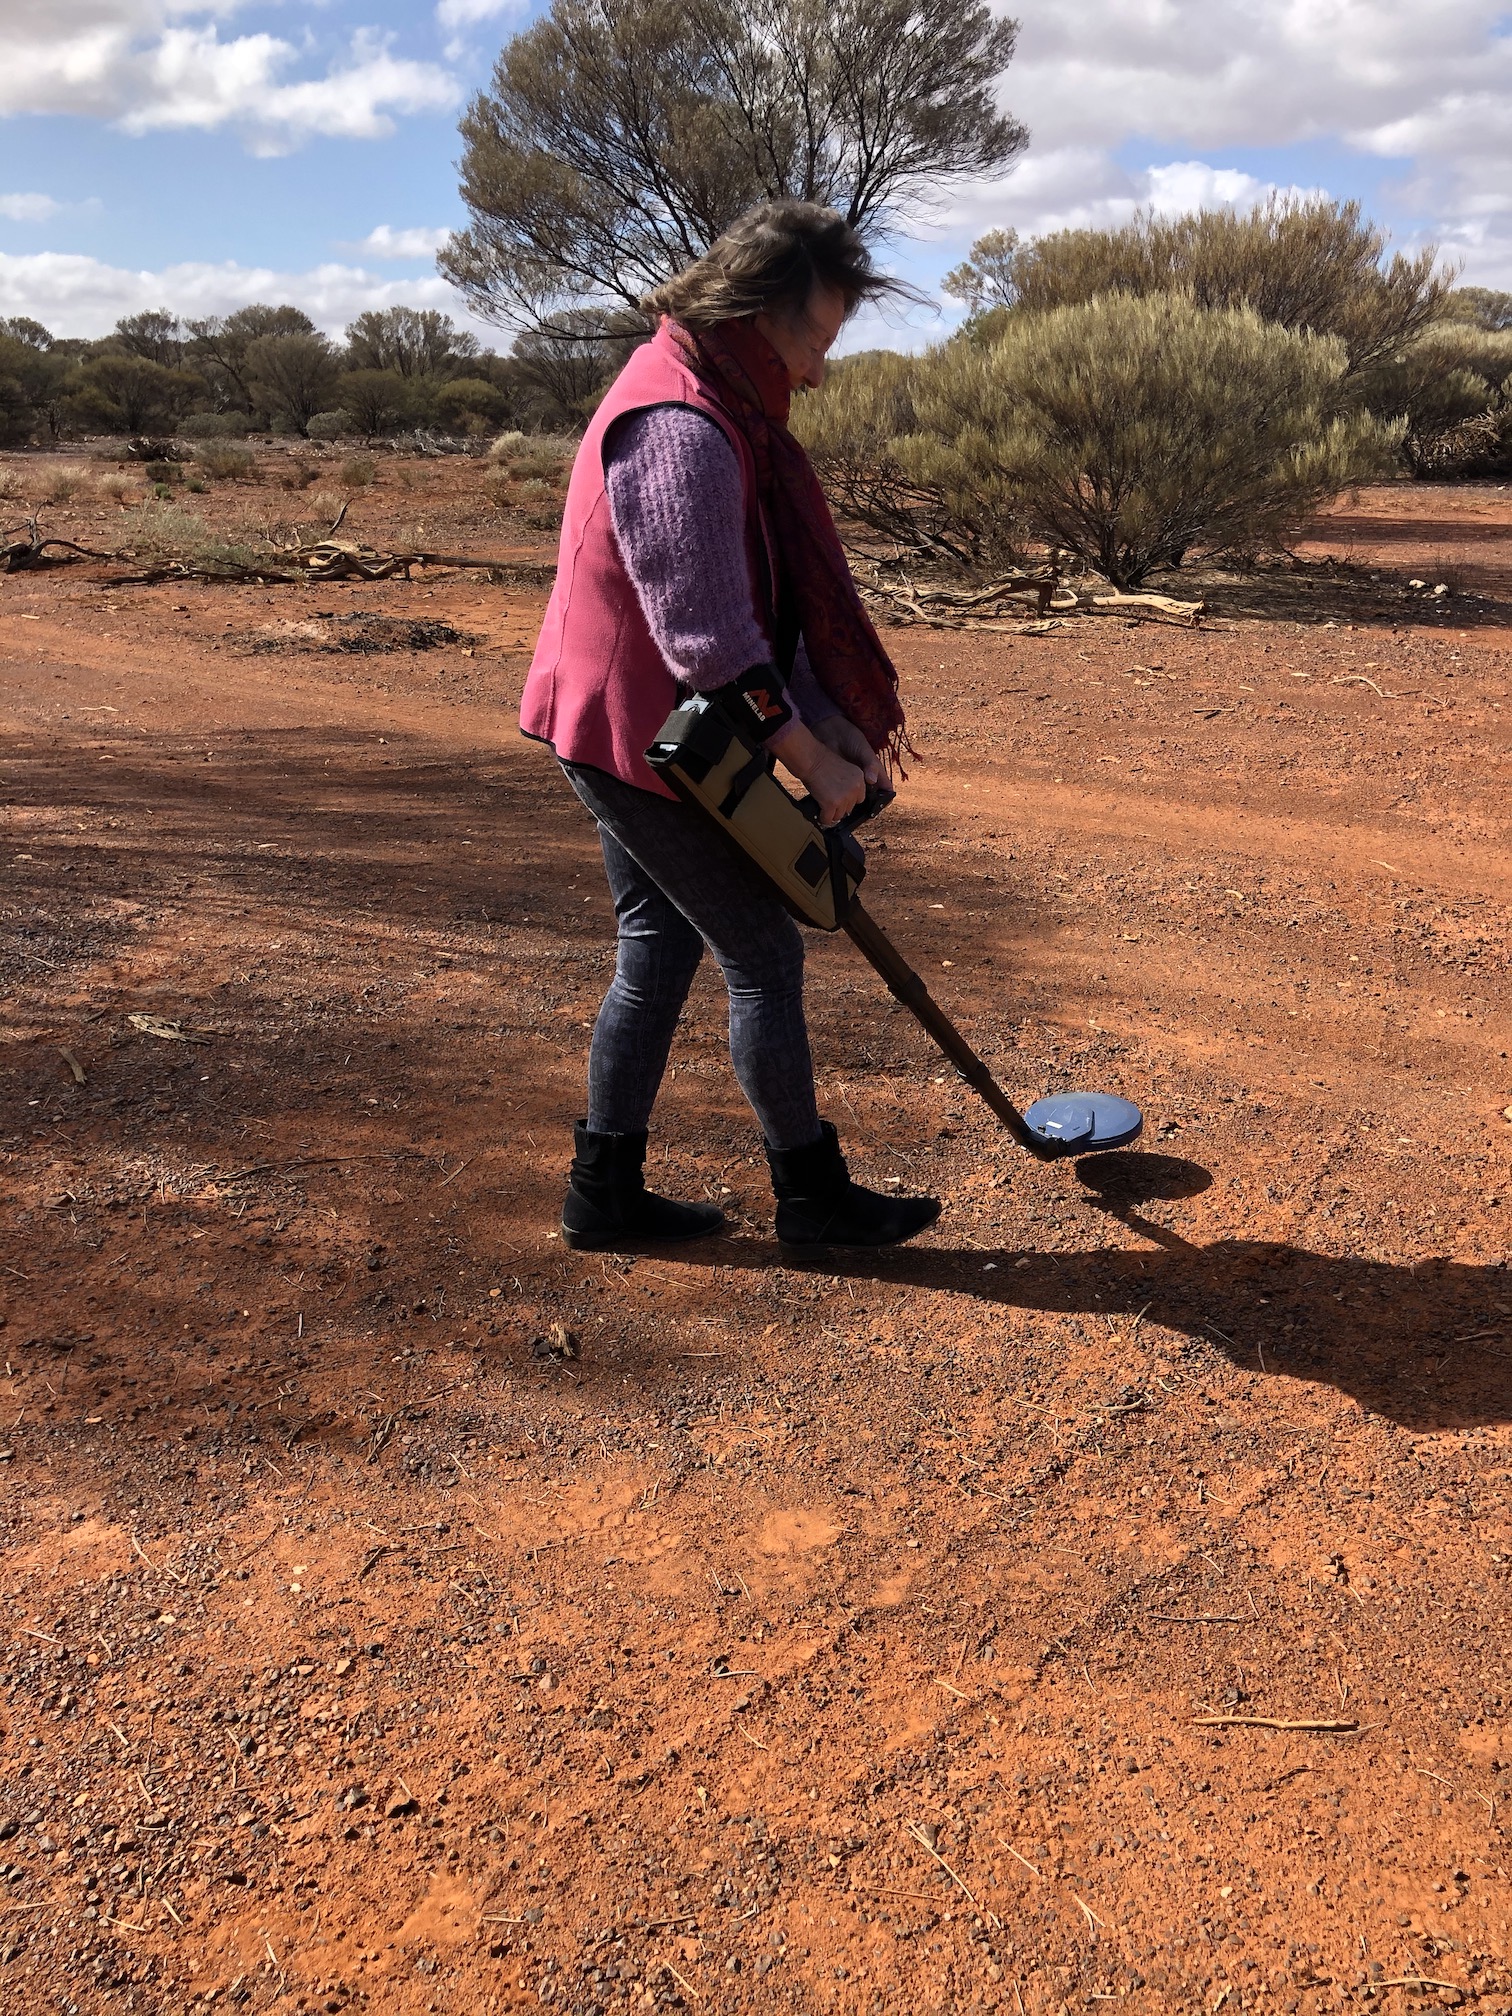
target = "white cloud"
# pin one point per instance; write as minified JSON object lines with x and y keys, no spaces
{"x":78,"y":296}
{"x":164,"y":64}
{"x":1388,"y":79}
{"x":1183,"y":186}
{"x":29,"y":208}
{"x":384,"y":242}
{"x":1082,"y":189}
{"x":467,"y":13}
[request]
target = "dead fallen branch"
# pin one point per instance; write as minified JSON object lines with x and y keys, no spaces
{"x":987,"y":608}
{"x":1163,"y":608}
{"x":331,"y":560}
{"x":973,"y":609}
{"x":22,"y":555}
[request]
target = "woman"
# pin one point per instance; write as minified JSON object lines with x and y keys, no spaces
{"x":697,"y":551}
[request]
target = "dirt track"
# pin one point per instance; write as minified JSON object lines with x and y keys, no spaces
{"x":815,"y":1640}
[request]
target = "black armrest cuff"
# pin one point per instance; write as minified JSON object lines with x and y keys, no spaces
{"x":755,"y":701}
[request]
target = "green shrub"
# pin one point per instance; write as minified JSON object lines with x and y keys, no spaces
{"x":357,"y":472}
{"x":331,"y":426}
{"x":162,"y":472}
{"x":471,"y":404}
{"x":225,"y":462}
{"x":1310,"y":265}
{"x":546,"y":456}
{"x":215,"y":426}
{"x":382,"y":402}
{"x":499,"y":488}
{"x":1452,"y":390}
{"x":1486,"y":307}
{"x":854,"y":429}
{"x":1131,"y":431}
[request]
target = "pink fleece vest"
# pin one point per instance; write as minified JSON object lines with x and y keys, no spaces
{"x":599,"y":688}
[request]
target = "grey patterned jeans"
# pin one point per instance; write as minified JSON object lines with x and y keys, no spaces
{"x":679,"y":885}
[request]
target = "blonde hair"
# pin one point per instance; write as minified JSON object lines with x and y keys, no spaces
{"x":771,"y":259}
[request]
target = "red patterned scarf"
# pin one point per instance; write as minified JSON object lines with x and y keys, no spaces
{"x":750,"y":381}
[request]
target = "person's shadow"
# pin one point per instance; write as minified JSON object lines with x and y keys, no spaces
{"x":1428,"y":1344}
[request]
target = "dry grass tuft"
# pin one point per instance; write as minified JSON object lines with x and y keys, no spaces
{"x":61,"y":486}
{"x":326,"y":506}
{"x":224,"y":461}
{"x":163,"y":530}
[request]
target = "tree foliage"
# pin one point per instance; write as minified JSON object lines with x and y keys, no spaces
{"x":567,"y":364}
{"x":157,"y":335}
{"x":128,"y":393}
{"x":621,"y":136}
{"x":378,"y":402}
{"x":414,"y":342}
{"x":269,"y":366}
{"x":1484,"y":306}
{"x":22,"y":329}
{"x":219,"y":346}
{"x":1451,"y":389}
{"x":1310,"y":265}
{"x":293,"y":377}
{"x":987,"y":279}
{"x":34,"y":377}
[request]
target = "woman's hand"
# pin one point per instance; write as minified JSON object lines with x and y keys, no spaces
{"x":836,"y":783}
{"x":836,"y":733}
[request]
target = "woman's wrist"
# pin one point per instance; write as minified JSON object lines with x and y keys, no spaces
{"x":838,"y":784}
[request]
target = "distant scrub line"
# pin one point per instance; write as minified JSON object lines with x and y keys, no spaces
{"x":269,"y":370}
{"x":1123,"y":399}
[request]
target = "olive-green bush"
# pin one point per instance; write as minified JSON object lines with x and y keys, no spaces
{"x":1452,"y":390}
{"x":1308,"y":264}
{"x":1127,"y":431}
{"x":225,"y":461}
{"x":865,"y":439}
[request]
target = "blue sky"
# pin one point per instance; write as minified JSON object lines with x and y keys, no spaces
{"x":199,"y":153}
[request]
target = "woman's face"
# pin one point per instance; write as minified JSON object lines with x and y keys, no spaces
{"x":802,"y":338}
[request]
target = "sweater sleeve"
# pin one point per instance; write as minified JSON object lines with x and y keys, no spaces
{"x":678,"y":509}
{"x":805,"y":695}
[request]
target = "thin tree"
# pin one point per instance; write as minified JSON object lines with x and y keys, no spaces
{"x":621,"y":136}
{"x":221,"y":342}
{"x":292,"y":377}
{"x":156,"y":334}
{"x":415,"y":342}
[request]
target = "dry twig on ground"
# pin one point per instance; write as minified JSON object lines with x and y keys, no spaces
{"x":22,"y":555}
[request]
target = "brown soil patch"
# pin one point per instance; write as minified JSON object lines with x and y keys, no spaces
{"x":817,"y":1639}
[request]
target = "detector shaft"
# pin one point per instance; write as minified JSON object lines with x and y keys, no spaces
{"x":905,"y":985}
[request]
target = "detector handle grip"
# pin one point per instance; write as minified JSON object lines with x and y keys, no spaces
{"x":878,"y":798}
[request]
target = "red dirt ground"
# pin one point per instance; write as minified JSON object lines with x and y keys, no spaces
{"x":827,"y":1639}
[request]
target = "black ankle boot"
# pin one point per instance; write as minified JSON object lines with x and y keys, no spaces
{"x":818,"y":1205}
{"x":608,"y":1205}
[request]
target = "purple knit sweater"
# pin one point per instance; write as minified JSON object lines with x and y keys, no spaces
{"x":678,"y":510}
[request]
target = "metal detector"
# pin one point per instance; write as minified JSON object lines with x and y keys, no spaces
{"x":705,"y":756}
